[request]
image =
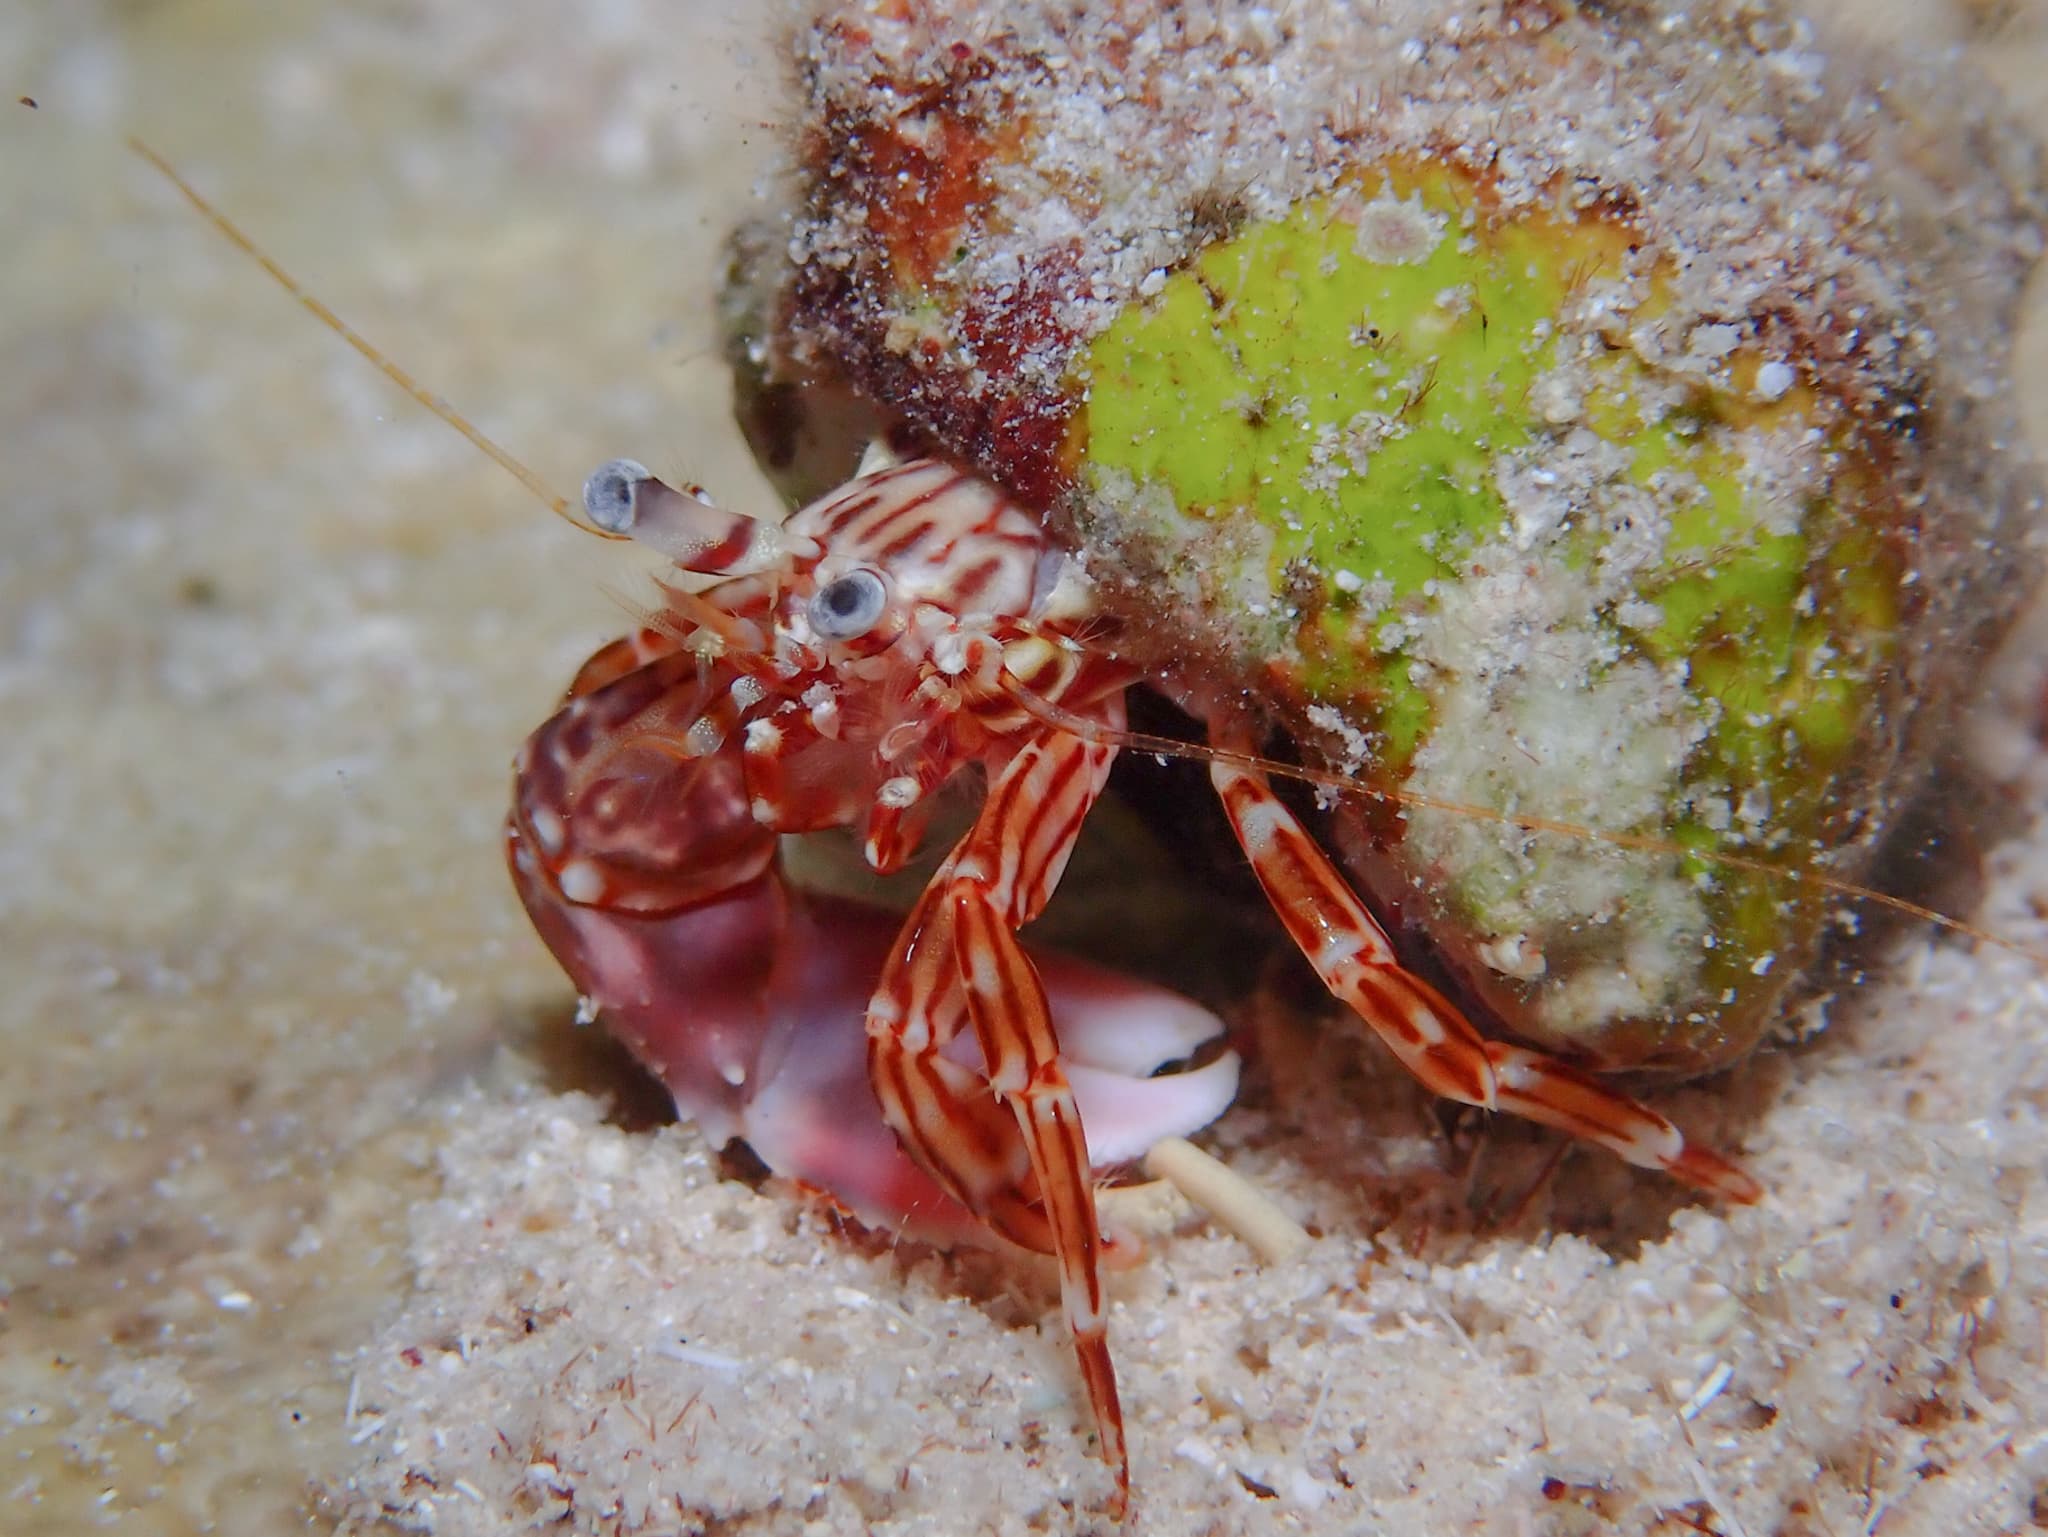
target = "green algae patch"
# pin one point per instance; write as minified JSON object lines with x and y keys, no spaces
{"x":1449,"y":481}
{"x":1343,"y":377}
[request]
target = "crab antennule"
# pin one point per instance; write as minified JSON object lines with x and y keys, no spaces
{"x":622,"y":496}
{"x":364,"y":347}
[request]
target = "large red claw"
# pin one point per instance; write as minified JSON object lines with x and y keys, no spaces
{"x":751,"y":1010}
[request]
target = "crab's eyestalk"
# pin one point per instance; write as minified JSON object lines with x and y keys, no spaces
{"x":623,"y":496}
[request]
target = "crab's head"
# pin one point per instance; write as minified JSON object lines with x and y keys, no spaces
{"x":903,"y":562}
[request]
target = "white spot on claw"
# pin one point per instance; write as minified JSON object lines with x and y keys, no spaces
{"x":547,"y":830}
{"x":582,"y":881}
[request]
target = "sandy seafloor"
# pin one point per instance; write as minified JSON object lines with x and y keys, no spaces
{"x":304,"y":1218}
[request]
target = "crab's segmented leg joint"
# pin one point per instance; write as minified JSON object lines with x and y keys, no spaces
{"x":1433,"y":1040}
{"x":1347,"y":947}
{"x":1007,"y":1004}
{"x":897,"y":818}
{"x":1543,"y":1089}
{"x":959,"y":963}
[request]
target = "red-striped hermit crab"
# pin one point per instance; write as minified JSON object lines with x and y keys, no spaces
{"x":1545,"y":402}
{"x":911,"y":626}
{"x":1538,"y":410}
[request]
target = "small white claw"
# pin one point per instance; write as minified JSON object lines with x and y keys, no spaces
{"x":1127,"y":1119}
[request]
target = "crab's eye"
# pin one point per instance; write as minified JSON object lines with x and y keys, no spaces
{"x":848,"y":606}
{"x":612,"y":493}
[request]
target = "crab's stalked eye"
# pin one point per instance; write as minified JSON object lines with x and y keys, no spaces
{"x":848,"y":606}
{"x":622,"y":496}
{"x":611,"y":491}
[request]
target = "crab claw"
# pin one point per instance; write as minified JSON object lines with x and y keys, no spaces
{"x":751,"y":1010}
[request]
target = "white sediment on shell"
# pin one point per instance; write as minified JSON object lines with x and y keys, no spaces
{"x":1781,"y":473}
{"x":1220,"y":565}
{"x":1536,"y":711}
{"x":1140,"y":123}
{"x":1772,"y":188}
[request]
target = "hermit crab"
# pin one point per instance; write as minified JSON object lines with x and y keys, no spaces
{"x":1569,"y":437}
{"x":1577,"y":425}
{"x":852,"y":662}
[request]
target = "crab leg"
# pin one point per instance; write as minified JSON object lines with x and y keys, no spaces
{"x":959,"y":963}
{"x":1435,"y":1042}
{"x":611,"y":662}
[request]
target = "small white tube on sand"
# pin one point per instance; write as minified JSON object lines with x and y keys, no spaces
{"x":1229,"y":1198}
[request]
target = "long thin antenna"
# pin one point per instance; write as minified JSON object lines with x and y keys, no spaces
{"x":558,"y":505}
